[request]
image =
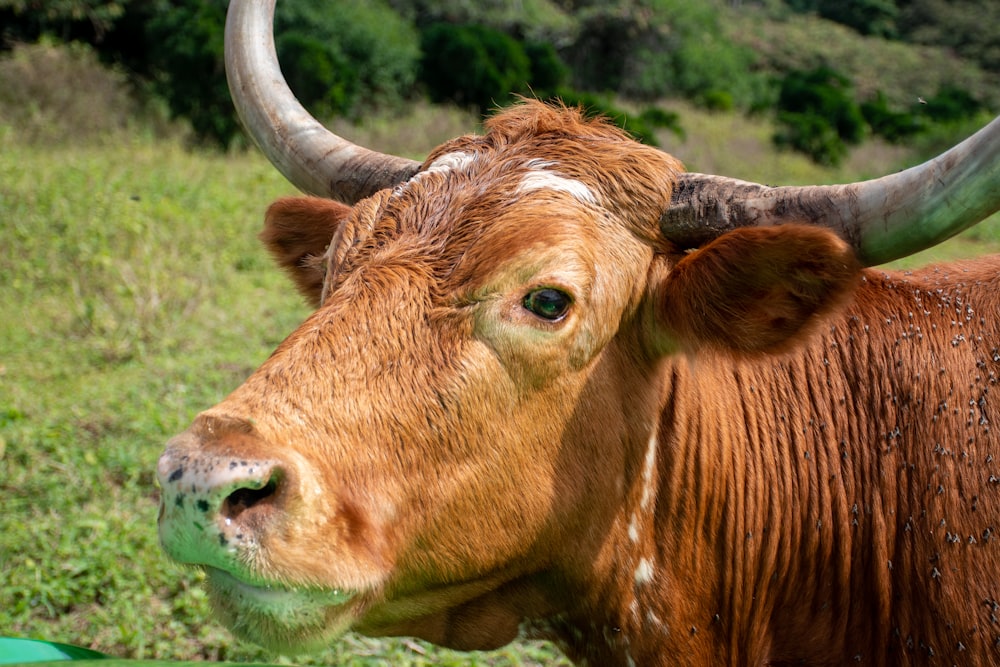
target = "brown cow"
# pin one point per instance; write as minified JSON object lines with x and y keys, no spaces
{"x":522,"y":408}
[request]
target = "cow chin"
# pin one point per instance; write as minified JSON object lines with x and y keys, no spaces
{"x":281,"y":619}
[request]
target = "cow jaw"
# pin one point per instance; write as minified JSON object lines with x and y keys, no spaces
{"x":282,"y":619}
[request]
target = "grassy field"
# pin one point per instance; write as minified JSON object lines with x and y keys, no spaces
{"x":133,"y":294}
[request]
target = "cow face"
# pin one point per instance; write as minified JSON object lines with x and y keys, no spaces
{"x":445,"y":446}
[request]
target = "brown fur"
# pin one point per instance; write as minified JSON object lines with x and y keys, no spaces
{"x":754,"y":454}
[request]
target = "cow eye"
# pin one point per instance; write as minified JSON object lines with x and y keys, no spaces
{"x":549,"y":304}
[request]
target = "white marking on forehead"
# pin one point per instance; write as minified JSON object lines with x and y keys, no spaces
{"x":456,"y":161}
{"x":644,"y":572}
{"x":540,"y":178}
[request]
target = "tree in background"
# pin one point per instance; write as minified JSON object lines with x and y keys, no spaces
{"x":188,"y":70}
{"x":818,"y":115}
{"x":372,"y":50}
{"x":338,"y":63}
{"x":868,"y":17}
{"x":349,"y":57}
{"x":970,"y":27}
{"x":484,"y":68}
{"x":83,"y":20}
{"x":892,"y":125}
{"x":529,"y":21}
{"x":661,"y":48}
{"x":473,"y":66}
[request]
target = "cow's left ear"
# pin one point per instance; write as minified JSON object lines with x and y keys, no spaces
{"x":297,"y":232}
{"x":755,"y":289}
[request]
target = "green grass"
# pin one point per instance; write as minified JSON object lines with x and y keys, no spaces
{"x":133,"y":293}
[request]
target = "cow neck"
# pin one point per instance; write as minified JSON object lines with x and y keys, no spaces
{"x":705,"y":549}
{"x":756,"y":526}
{"x":627,"y":611}
{"x":748,"y":510}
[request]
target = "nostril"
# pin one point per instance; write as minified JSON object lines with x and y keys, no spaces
{"x":245,"y":498}
{"x":216,"y":507}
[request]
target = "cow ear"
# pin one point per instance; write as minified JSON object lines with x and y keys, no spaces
{"x":756,"y":289}
{"x":297,"y":232}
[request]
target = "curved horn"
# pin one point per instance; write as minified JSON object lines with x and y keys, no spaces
{"x":311,"y":157}
{"x":884,"y":219}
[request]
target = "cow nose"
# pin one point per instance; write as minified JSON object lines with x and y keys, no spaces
{"x":215,"y":506}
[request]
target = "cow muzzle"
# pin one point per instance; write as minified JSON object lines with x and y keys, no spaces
{"x":225,"y":509}
{"x":214,"y":509}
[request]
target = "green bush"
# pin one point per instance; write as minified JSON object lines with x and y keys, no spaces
{"x":811,"y":134}
{"x":704,"y":61}
{"x":950,"y":105}
{"x":599,"y":54}
{"x":671,"y":48}
{"x":527,"y":20}
{"x":51,"y":94}
{"x":641,"y":126}
{"x":718,"y":100}
{"x":66,"y":20}
{"x":373,"y":52}
{"x":319,"y":76}
{"x":893,"y":126}
{"x":868,"y":17}
{"x":188,"y":68}
{"x":339,"y":59}
{"x":473,"y":65}
{"x":548,"y":72}
{"x":818,"y":116}
{"x":668,"y":120}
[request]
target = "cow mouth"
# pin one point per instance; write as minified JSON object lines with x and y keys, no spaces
{"x":279,"y":617}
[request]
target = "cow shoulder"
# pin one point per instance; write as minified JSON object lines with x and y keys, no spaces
{"x":297,"y":231}
{"x":756,"y":289}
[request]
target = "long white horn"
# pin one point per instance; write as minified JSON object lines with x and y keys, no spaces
{"x":314,"y":159}
{"x":885,"y":218}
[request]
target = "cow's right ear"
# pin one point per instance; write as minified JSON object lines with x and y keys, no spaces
{"x":754,"y":290}
{"x":297,"y":232}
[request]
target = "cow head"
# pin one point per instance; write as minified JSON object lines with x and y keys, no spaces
{"x":447,"y":446}
{"x":473,"y":391}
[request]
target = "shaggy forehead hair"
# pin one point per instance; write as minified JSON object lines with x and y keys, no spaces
{"x":537,"y":175}
{"x":530,"y":120}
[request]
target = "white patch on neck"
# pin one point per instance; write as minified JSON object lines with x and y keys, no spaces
{"x":540,"y":178}
{"x":644,"y":572}
{"x":648,"y":466}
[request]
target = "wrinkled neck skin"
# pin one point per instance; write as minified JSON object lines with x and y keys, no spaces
{"x":754,"y":529}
